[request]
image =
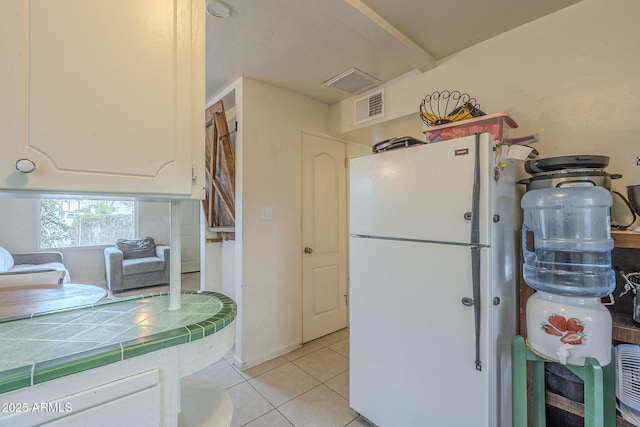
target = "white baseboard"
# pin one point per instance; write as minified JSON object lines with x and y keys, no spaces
{"x":246,"y":364}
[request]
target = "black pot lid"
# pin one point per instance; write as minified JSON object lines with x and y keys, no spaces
{"x":566,"y":162}
{"x":392,"y":143}
{"x":571,"y":174}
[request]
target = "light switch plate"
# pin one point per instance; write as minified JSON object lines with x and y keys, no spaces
{"x":266,"y":213}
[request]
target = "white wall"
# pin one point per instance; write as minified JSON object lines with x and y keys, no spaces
{"x":220,"y":267}
{"x":270,"y":160}
{"x":268,"y":254}
{"x":18,"y":222}
{"x":572,"y":77}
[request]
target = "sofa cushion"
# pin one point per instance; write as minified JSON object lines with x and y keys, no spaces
{"x":6,"y":260}
{"x":59,"y":267}
{"x":30,"y":268}
{"x":49,"y":273}
{"x":137,"y":248}
{"x":142,"y":265}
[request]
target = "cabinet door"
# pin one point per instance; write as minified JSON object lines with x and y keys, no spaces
{"x":103,"y":97}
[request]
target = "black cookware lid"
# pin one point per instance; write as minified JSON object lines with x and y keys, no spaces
{"x":393,"y":143}
{"x":566,"y":162}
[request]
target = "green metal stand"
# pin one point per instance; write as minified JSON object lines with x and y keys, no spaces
{"x":599,"y":388}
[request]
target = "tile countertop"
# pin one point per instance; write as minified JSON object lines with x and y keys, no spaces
{"x":46,"y":346}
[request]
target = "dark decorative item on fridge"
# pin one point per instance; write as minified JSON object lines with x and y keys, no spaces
{"x":393,"y":143}
{"x":442,"y":107}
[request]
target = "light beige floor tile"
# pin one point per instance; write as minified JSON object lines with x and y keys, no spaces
{"x":323,"y":364}
{"x":220,"y":373}
{"x":307,"y":348}
{"x":283,"y":383}
{"x":264,"y":367}
{"x":272,"y":419}
{"x":190,"y":281}
{"x":359,"y":422}
{"x":341,"y":347}
{"x":334,"y":337}
{"x":340,"y":384}
{"x":320,"y":407}
{"x":248,"y":404}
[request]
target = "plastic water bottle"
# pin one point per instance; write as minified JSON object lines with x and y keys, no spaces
{"x":572,"y":241}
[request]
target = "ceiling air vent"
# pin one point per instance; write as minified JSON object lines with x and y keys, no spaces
{"x":352,"y":81}
{"x":369,"y":107}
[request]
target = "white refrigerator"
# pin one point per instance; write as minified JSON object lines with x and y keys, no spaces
{"x":433,"y":284}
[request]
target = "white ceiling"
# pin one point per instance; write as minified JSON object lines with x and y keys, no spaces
{"x":299,"y":44}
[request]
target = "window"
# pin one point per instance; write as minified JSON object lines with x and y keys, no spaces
{"x":69,"y":222}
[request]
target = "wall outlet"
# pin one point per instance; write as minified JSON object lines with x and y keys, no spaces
{"x":266,"y":213}
{"x":637,"y":161}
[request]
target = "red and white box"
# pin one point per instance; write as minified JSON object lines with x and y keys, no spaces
{"x":497,"y":125}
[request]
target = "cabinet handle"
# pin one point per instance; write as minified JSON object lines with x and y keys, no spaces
{"x":25,"y":165}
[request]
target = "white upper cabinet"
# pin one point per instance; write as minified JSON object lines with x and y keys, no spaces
{"x":103,"y":96}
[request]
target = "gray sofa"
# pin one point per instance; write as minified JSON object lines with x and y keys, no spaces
{"x":136,"y":263}
{"x":36,"y":268}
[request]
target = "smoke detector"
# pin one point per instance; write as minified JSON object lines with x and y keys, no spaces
{"x":352,"y":81}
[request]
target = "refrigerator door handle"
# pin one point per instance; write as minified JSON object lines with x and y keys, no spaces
{"x":475,"y":196}
{"x":475,"y":249}
{"x":475,"y":272}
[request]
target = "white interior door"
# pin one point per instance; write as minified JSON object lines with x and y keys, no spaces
{"x":190,"y":236}
{"x":324,"y":236}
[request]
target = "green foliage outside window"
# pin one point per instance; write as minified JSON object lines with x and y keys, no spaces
{"x":54,"y":233}
{"x":69,"y":223}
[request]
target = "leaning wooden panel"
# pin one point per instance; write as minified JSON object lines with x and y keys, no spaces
{"x":219,"y":204}
{"x":210,"y":146}
{"x":225,"y":163}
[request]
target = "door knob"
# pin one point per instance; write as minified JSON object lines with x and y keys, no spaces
{"x":308,"y":250}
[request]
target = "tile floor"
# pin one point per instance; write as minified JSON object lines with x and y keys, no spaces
{"x":190,"y":281}
{"x":308,"y":387}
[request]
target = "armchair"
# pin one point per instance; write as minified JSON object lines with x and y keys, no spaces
{"x":135,"y":264}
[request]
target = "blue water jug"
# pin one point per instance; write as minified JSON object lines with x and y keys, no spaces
{"x":572,"y":241}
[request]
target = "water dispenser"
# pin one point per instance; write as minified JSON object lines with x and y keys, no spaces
{"x":570,"y":267}
{"x":572,"y":241}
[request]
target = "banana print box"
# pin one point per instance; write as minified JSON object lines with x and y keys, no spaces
{"x":569,"y":329}
{"x":497,"y":125}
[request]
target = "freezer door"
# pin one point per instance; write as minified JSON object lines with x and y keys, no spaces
{"x":412,"y":343}
{"x":422,"y":192}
